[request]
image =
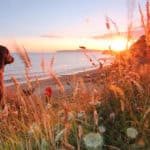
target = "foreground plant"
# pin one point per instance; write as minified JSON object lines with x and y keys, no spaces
{"x":132,"y":133}
{"x":93,"y":141}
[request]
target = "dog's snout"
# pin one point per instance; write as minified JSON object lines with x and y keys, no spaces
{"x":12,"y":59}
{"x":9,"y":60}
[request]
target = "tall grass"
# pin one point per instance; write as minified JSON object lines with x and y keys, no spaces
{"x":116,"y":99}
{"x":109,"y":107}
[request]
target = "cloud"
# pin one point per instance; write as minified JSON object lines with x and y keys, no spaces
{"x":51,"y":36}
{"x":136,"y":33}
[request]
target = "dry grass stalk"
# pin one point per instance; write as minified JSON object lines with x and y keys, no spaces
{"x":148,"y":23}
{"x":4,"y":113}
{"x":16,"y":83}
{"x":88,"y":57}
{"x":146,"y":113}
{"x":142,"y":18}
{"x":80,"y":132}
{"x":43,"y":63}
{"x":95,"y":117}
{"x":67,"y":131}
{"x":110,"y":20}
{"x":52,"y":62}
{"x":68,"y":146}
{"x":138,"y":86}
{"x":148,"y":13}
{"x":146,"y":26}
{"x":27,"y":56}
{"x":82,"y":85}
{"x":28,"y":81}
{"x":58,"y":82}
{"x":76,"y":88}
{"x":23,"y":54}
{"x":79,"y":136}
{"x":130,"y":5}
{"x":55,"y":78}
{"x":118,"y":91}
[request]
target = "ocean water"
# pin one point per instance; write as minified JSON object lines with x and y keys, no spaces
{"x":64,"y":63}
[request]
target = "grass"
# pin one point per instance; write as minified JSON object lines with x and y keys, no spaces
{"x":118,"y":100}
{"x":102,"y":111}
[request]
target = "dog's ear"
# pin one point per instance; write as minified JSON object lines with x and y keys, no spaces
{"x":3,"y":50}
{"x":1,"y":59}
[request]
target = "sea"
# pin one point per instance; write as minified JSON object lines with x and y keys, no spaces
{"x":64,"y":63}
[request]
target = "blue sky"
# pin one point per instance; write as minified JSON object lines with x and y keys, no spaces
{"x":61,"y":18}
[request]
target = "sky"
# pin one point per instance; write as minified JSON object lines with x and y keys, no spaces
{"x":41,"y":25}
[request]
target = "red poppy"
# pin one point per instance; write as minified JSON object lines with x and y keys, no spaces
{"x":48,"y":91}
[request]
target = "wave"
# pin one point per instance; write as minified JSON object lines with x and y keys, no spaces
{"x":65,"y":63}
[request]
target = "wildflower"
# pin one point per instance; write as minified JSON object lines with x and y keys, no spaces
{"x":132,"y":133}
{"x":102,"y":129}
{"x":93,"y":141}
{"x":48,"y":91}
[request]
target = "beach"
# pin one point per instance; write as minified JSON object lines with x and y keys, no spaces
{"x":64,"y":63}
{"x":69,"y":67}
{"x":68,"y":82}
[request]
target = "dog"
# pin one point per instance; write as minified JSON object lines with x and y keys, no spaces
{"x":5,"y":58}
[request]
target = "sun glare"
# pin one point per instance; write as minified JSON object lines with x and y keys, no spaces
{"x":119,"y":44}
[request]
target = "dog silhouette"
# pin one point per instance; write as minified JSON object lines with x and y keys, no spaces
{"x":5,"y":58}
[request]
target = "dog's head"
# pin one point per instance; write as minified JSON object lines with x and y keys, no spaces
{"x":5,"y":57}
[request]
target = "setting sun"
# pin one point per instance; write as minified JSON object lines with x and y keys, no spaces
{"x":119,"y":43}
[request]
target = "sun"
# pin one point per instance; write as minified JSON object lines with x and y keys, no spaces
{"x":119,"y":44}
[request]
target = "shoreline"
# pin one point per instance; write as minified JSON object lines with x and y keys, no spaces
{"x":42,"y":75}
{"x":48,"y":77}
{"x":68,"y":82}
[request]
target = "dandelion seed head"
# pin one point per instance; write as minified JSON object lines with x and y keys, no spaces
{"x":93,"y":141}
{"x":132,"y":133}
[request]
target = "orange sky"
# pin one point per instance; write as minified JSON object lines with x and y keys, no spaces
{"x":66,"y":24}
{"x":52,"y":44}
